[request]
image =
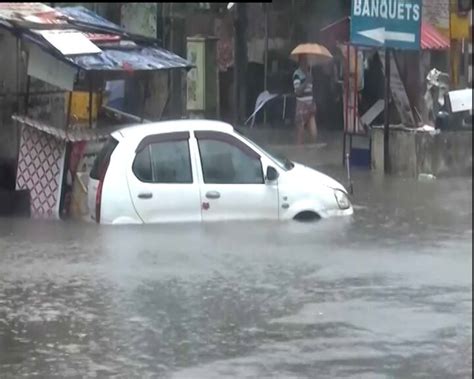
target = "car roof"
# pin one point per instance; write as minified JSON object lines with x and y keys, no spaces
{"x":172,"y":126}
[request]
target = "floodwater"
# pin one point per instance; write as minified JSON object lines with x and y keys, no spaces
{"x":384,"y":294}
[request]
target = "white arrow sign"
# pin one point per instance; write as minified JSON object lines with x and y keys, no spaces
{"x":381,"y":35}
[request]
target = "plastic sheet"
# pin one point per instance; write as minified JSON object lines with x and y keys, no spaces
{"x":85,"y":15}
{"x":147,"y":58}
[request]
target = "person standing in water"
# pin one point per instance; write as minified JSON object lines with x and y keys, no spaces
{"x":305,"y":104}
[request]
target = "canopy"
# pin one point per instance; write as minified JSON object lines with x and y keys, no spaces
{"x":99,"y":45}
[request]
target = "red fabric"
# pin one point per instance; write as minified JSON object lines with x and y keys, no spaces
{"x":431,"y":39}
{"x":77,"y":152}
{"x":127,"y":67}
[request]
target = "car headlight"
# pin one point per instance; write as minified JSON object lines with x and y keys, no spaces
{"x":342,"y":200}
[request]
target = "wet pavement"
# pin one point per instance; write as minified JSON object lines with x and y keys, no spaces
{"x":384,"y":294}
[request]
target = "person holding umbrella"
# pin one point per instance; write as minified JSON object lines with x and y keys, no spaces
{"x":307,"y":56}
{"x":305,"y":117}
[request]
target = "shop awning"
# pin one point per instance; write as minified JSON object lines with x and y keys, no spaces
{"x":84,"y":40}
{"x":71,"y":135}
{"x":431,"y":39}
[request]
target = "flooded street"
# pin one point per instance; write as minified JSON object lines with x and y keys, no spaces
{"x":386,"y":293}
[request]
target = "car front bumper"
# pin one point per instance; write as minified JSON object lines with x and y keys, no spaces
{"x":337,"y":212}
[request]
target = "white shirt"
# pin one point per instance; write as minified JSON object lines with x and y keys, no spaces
{"x":299,"y":78}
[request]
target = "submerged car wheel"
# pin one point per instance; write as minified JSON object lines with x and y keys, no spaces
{"x":307,"y":216}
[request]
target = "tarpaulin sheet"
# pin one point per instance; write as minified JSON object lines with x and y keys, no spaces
{"x":147,"y":58}
{"x":85,"y":15}
{"x":116,"y":59}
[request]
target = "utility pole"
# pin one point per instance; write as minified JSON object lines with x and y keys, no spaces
{"x":265,"y":60}
{"x":236,"y":63}
{"x":240,"y":62}
{"x":386,"y":129}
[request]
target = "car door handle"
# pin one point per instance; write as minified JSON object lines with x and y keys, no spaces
{"x":147,"y":195}
{"x":213,"y":195}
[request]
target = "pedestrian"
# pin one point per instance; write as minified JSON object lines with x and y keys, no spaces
{"x":305,"y":104}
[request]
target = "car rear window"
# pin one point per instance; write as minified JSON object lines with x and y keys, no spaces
{"x":103,"y":157}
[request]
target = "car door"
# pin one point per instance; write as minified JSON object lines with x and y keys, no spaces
{"x":162,"y":180}
{"x":232,"y":179}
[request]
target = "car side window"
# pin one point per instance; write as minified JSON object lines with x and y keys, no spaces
{"x":142,"y":165}
{"x":164,"y":162}
{"x":225,"y":162}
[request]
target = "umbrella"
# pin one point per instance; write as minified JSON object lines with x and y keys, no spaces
{"x":316,"y":54}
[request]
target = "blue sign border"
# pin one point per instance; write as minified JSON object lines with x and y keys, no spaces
{"x":376,"y":31}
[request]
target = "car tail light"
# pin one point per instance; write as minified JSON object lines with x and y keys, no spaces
{"x":98,"y":195}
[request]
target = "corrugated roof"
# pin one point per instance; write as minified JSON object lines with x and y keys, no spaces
{"x":71,"y":135}
{"x":122,"y":52}
{"x":85,"y":15}
{"x":431,"y":39}
{"x":29,"y":12}
{"x":139,"y":59}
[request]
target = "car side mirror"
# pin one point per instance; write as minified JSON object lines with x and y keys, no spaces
{"x":272,"y":174}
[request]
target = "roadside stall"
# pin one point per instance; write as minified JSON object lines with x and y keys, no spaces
{"x":76,"y":53}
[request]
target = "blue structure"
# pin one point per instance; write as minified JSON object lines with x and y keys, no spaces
{"x":386,"y":23}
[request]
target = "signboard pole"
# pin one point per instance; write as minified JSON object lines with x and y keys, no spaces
{"x":265,"y":67}
{"x":388,"y":25}
{"x":386,"y":126}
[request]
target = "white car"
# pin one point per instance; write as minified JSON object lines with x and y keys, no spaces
{"x":201,"y":170}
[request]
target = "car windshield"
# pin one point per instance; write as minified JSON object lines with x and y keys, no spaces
{"x":282,"y":161}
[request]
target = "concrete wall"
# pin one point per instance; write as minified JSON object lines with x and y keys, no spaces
{"x":444,"y":154}
{"x":9,"y":86}
{"x":141,"y":18}
{"x":11,"y":82}
{"x":451,"y":153}
{"x":49,"y":108}
{"x":403,"y":155}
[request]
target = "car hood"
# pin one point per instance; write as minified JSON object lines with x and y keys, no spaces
{"x":303,"y":173}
